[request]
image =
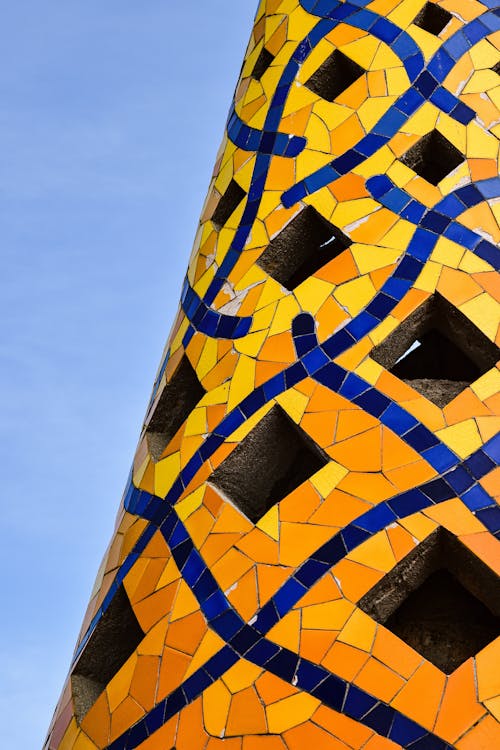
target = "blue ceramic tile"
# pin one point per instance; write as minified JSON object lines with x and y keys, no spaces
{"x":358,"y":703}
{"x":331,"y":692}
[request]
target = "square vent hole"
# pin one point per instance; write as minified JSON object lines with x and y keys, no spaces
{"x":114,"y":640}
{"x":334,"y":76}
{"x":438,"y":351}
{"x":179,"y":397}
{"x":433,"y":157}
{"x":306,"y":244}
{"x":440,"y":599}
{"x":433,"y":18}
{"x":262,"y":63}
{"x":268,"y":464}
{"x":228,"y":204}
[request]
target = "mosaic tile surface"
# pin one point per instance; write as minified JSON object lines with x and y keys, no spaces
{"x":307,"y":550}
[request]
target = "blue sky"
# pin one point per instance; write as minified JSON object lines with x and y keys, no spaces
{"x":112,"y":113}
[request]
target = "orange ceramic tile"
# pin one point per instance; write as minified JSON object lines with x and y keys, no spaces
{"x":380,"y":276}
{"x":278,"y":348}
{"x":271,"y":688}
{"x":97,"y":723}
{"x":400,"y":540}
{"x":395,"y":452}
{"x":173,"y":667}
{"x":338,"y":271}
{"x":246,"y":714}
{"x":457,"y":286}
{"x":281,"y":176}
{"x":349,"y":186}
{"x":352,"y":422}
{"x":186,"y":634}
{"x":260,"y":547}
{"x":325,"y":590}
{"x":396,"y":654}
{"x":346,"y":135}
{"x":321,"y":426}
{"x":300,"y":505}
{"x":484,"y":736}
{"x":488,"y":676}
{"x":143,"y":687}
{"x":271,"y":742}
{"x":355,"y":579}
{"x":244,"y":596}
{"x":381,"y":743}
{"x":394,"y":387}
{"x":486,"y":547}
{"x":297,"y":542}
{"x":323,"y":399}
{"x":464,"y":406}
{"x":150,"y":610}
{"x":378,"y":680}
{"x":190,"y":735}
{"x":341,"y":726}
{"x":411,"y":475}
{"x":373,"y":487}
{"x":344,"y":660}
{"x":269,"y":580}
{"x":127,"y":712}
{"x":165,"y":737}
{"x":460,"y":709}
{"x":375,"y":228}
{"x":360,"y":453}
{"x":264,"y":371}
{"x":409,"y":303}
{"x":214,"y":743}
{"x":489,"y":282}
{"x":314,"y":644}
{"x":452,"y":515}
{"x":421,"y":697}
{"x":310,"y":735}
{"x":339,"y":509}
{"x":491,"y":482}
{"x":231,"y":568}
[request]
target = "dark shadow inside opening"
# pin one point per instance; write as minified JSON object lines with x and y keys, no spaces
{"x":450,"y":355}
{"x":262,"y":63}
{"x":334,"y":76}
{"x":441,"y":600}
{"x":433,"y":157}
{"x":228,"y":203}
{"x":304,"y":246}
{"x":433,"y":18}
{"x":268,"y":464}
{"x":114,"y":640}
{"x":179,"y":397}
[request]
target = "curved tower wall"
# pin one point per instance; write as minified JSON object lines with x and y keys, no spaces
{"x":307,"y":551}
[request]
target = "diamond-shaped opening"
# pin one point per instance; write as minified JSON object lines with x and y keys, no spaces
{"x":306,"y":244}
{"x":334,"y":76}
{"x":114,"y":640}
{"x":178,"y":399}
{"x":228,"y":203}
{"x":263,"y":61}
{"x":437,"y":350}
{"x":440,"y":599}
{"x":433,"y":157}
{"x":496,"y":68}
{"x":433,"y":18}
{"x":268,"y":464}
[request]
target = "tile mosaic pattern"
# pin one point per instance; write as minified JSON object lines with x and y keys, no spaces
{"x":205,"y":630}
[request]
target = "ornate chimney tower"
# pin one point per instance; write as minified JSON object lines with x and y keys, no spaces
{"x":307,"y":554}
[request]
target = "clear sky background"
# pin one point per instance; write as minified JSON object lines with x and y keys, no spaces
{"x":111,"y":115}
